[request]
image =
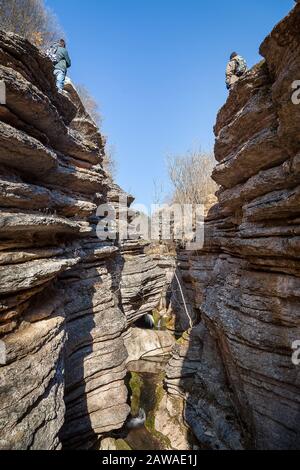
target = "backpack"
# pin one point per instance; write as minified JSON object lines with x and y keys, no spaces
{"x":241,"y":66}
{"x":51,"y":53}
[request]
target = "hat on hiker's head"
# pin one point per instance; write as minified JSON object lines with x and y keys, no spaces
{"x":233,"y":55}
{"x":62,"y":43}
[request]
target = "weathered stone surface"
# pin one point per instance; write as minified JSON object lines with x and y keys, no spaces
{"x":15,"y":224}
{"x":67,"y":299}
{"x":143,"y":344}
{"x":168,"y":422}
{"x":25,"y":59}
{"x":196,"y":374}
{"x":16,"y":194}
{"x":108,"y":444}
{"x":36,"y":114}
{"x":95,"y":355}
{"x":23,"y":276}
{"x":32,"y":386}
{"x":61,"y":313}
{"x":142,"y":282}
{"x":22,"y":152}
{"x":234,"y":371}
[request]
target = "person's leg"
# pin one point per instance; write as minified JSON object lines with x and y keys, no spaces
{"x":60,"y":79}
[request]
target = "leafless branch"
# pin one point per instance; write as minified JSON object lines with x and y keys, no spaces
{"x":31,"y":19}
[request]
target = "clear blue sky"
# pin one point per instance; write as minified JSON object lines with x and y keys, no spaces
{"x":156,"y":67}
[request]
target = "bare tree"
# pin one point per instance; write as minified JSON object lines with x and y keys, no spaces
{"x":31,"y":19}
{"x":190,"y":176}
{"x":109,"y":161}
{"x":90,"y":104}
{"x":93,"y":109}
{"x":158,"y":192}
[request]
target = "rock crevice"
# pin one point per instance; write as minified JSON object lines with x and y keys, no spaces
{"x":69,"y":302}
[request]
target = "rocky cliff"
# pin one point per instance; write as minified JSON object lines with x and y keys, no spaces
{"x":66,"y":298}
{"x":234,"y":370}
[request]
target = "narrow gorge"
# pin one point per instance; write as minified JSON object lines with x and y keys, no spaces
{"x":77,"y":359}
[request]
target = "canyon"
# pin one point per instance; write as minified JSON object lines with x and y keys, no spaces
{"x":70,"y":304}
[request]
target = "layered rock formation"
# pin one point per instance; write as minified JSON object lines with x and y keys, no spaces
{"x":144,"y":344}
{"x":142,"y":283}
{"x":64,"y":306}
{"x":235,"y":370}
{"x":68,"y":300}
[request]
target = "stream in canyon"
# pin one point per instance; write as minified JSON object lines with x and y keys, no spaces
{"x":145,"y":383}
{"x":156,"y":420}
{"x":146,"y":386}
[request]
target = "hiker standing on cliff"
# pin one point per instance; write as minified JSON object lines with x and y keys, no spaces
{"x":62,"y":63}
{"x":236,"y":68}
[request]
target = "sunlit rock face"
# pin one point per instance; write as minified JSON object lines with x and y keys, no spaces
{"x":142,"y":281}
{"x":68,"y":299}
{"x":235,"y":370}
{"x":147,"y":344}
{"x":63,"y":307}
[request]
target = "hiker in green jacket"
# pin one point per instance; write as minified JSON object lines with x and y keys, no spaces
{"x":62,"y":64}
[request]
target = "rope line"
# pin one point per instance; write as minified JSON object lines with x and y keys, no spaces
{"x":184,"y":302}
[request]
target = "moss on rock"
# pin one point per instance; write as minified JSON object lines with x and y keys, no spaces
{"x":135,"y":384}
{"x":122,"y":445}
{"x":150,"y":422}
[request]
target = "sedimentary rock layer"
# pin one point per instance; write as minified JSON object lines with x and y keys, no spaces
{"x":63,"y":304}
{"x":235,"y":370}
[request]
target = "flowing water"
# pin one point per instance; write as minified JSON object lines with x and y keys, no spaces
{"x":145,"y":383}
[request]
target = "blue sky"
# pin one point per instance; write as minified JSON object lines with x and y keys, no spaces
{"x":156,"y":67}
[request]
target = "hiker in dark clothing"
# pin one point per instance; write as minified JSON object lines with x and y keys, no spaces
{"x":236,"y":68}
{"x":62,"y":64}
